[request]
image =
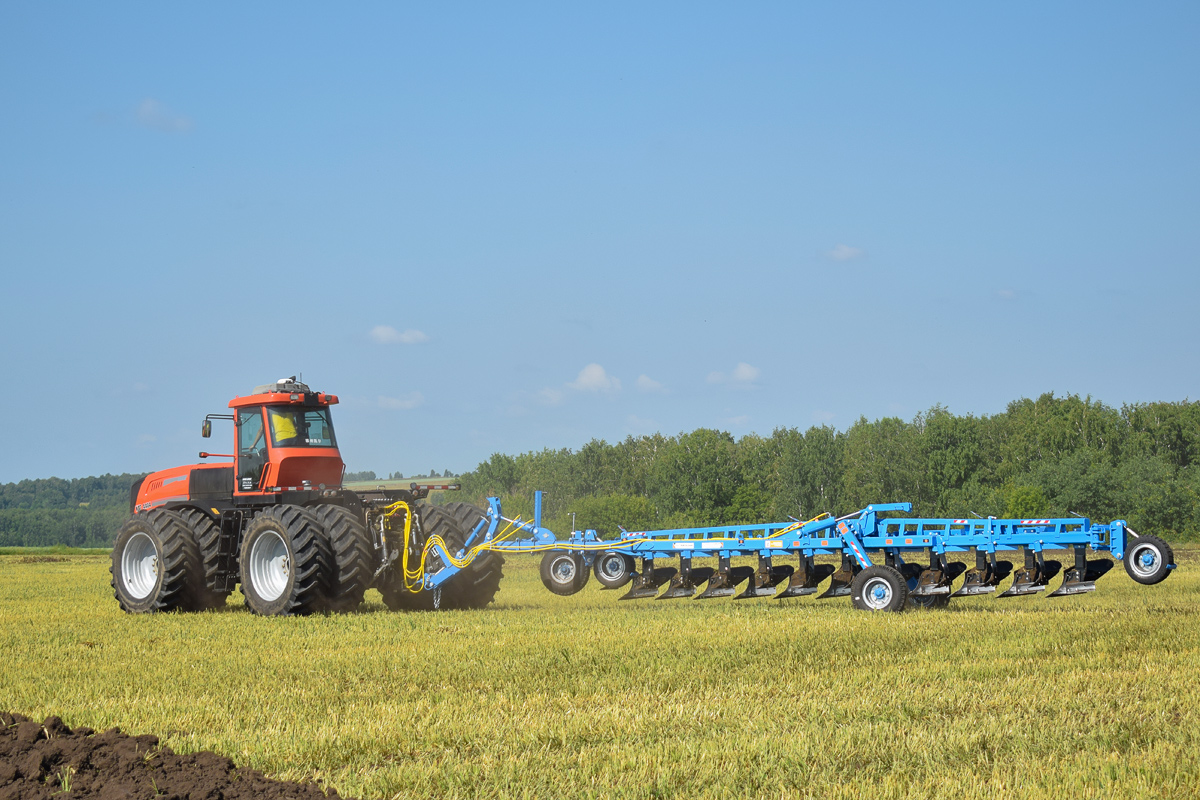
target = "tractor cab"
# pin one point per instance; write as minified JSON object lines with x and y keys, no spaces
{"x":283,"y":440}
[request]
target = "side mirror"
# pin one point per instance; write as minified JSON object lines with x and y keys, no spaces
{"x":206,"y":428}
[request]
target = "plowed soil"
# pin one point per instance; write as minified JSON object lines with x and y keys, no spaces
{"x":48,"y":759}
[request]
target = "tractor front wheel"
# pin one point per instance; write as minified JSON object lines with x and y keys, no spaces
{"x":353,"y":556}
{"x":286,"y":564}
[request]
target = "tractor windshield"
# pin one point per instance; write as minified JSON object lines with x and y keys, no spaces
{"x":300,"y":427}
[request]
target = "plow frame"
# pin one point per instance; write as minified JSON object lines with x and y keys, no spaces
{"x":856,"y":536}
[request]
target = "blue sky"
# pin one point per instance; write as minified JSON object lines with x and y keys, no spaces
{"x":504,"y":227}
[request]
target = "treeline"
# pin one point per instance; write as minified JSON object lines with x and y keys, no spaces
{"x":1053,"y":456}
{"x":83,"y":512}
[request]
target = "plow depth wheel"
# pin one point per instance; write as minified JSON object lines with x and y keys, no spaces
{"x":564,"y":573}
{"x":879,"y":588}
{"x":1148,"y":560}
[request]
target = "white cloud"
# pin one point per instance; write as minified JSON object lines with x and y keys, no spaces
{"x":156,"y":116}
{"x":593,"y":378}
{"x":743,"y":374}
{"x":386,"y":334}
{"x":844,"y":252}
{"x":403,"y":403}
{"x":647,"y":384}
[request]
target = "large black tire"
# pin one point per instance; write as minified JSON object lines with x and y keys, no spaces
{"x":207,"y":535}
{"x":1148,"y":559}
{"x":286,"y":564}
{"x":477,"y":585}
{"x":879,"y":588}
{"x":156,"y":565}
{"x":563,"y":572}
{"x":473,"y":587}
{"x":353,"y":556}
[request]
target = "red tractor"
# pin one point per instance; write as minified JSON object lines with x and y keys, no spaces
{"x":279,"y":522}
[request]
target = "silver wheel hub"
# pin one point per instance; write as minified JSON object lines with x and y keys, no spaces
{"x":612,"y":567}
{"x":139,"y":566}
{"x":270,"y":566}
{"x":1145,"y":560}
{"x":563,"y":570}
{"x":877,"y":594}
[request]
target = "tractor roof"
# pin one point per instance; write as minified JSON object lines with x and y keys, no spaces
{"x":285,"y":391}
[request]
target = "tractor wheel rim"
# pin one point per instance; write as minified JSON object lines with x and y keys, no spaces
{"x":270,"y":566}
{"x":877,"y":593}
{"x":1145,"y":559}
{"x":563,"y":570}
{"x":139,"y":566}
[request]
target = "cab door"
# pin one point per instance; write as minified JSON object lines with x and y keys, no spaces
{"x":251,"y":450}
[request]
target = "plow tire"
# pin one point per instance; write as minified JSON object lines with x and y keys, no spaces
{"x":156,"y":565}
{"x":207,"y":535}
{"x":353,"y":556}
{"x":1148,"y":559}
{"x":879,"y":588}
{"x":563,"y":572}
{"x":614,"y":570}
{"x":286,"y":563}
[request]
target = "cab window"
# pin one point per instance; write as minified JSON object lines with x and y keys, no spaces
{"x":300,"y":427}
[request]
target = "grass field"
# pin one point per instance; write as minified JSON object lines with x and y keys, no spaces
{"x":541,"y":696}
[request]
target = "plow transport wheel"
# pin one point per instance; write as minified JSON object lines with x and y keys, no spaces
{"x":564,"y":573}
{"x":614,"y":570}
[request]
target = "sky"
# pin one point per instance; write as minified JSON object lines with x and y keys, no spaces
{"x":508,"y":227}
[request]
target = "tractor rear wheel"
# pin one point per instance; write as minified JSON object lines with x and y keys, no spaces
{"x":286,"y":563}
{"x":475,"y":586}
{"x":156,"y":565}
{"x":207,"y":535}
{"x":353,"y":556}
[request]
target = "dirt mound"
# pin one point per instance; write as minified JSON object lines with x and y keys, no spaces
{"x":48,"y":759}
